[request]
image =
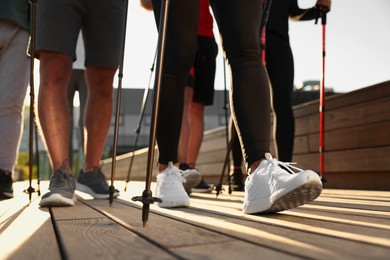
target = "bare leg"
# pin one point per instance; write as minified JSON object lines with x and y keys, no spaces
{"x":185,"y":125}
{"x":196,"y":132}
{"x":98,"y":113}
{"x":54,"y":115}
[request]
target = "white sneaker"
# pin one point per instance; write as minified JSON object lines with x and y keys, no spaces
{"x":271,"y":189}
{"x":170,"y":188}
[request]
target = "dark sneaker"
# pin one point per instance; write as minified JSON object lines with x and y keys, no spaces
{"x":6,"y":191}
{"x":62,"y":186}
{"x":94,"y":183}
{"x":203,"y":187}
{"x":191,"y":175}
{"x":236,"y":179}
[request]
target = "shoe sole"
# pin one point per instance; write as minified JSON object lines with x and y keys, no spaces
{"x":300,"y":196}
{"x":202,"y":190}
{"x":86,"y":189}
{"x":174,"y":202}
{"x":6,"y":196}
{"x":56,"y":200}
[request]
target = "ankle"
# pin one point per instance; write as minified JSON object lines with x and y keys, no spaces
{"x":183,"y":166}
{"x":162,"y":166}
{"x":237,"y":169}
{"x":254,"y":166}
{"x":191,"y":165}
{"x":91,"y":169}
{"x":65,"y":166}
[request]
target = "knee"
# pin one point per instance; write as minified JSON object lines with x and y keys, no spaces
{"x":55,"y":69}
{"x":180,"y":61}
{"x":100,"y":81}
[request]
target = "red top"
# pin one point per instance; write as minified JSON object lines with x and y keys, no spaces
{"x":205,"y":27}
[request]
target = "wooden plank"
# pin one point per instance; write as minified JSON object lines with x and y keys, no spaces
{"x":353,"y":115}
{"x":368,"y":93}
{"x":301,"y":144}
{"x":316,"y":225}
{"x":26,"y":230}
{"x":138,"y":170}
{"x":367,"y":180}
{"x":188,"y":240}
{"x":348,"y":160}
{"x":365,"y":136}
{"x":345,"y":99}
{"x":341,"y":224}
{"x":223,"y":213}
{"x":318,"y":241}
{"x":88,"y":234}
{"x":372,"y":194}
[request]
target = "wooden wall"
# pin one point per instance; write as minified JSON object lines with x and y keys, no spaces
{"x":357,"y":142}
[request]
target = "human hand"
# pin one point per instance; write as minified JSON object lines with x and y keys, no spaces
{"x":147,"y":5}
{"x":324,"y":5}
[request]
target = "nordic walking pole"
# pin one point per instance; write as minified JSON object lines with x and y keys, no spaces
{"x":146,"y":197}
{"x":141,"y":116}
{"x":264,"y":20}
{"x":322,"y":99}
{"x":226,"y":108}
{"x":218,"y":188}
{"x":37,"y":159}
{"x":33,"y":5}
{"x":118,"y":102}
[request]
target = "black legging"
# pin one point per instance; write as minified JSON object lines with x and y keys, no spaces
{"x":280,"y":67}
{"x":239,"y":25}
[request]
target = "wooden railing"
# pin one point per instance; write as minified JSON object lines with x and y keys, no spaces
{"x":357,"y":142}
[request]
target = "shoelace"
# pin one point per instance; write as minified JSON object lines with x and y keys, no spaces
{"x":178,"y":176}
{"x":287,"y":165}
{"x":182,"y":179}
{"x":58,"y":179}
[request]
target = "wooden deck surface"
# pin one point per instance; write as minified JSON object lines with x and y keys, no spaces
{"x":340,"y":224}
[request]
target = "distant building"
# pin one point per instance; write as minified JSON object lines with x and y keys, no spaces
{"x":131,"y":103}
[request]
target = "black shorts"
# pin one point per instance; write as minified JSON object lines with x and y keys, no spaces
{"x":204,"y":71}
{"x":59,"y":23}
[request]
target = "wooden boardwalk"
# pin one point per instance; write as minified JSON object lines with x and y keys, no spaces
{"x":340,"y":224}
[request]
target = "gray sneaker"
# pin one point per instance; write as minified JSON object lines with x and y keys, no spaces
{"x":191,"y":175}
{"x":61,"y":193}
{"x":94,"y":183}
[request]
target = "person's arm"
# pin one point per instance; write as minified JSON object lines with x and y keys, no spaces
{"x":299,"y":14}
{"x":147,"y":5}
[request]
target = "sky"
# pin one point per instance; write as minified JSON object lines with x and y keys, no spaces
{"x":357,"y":46}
